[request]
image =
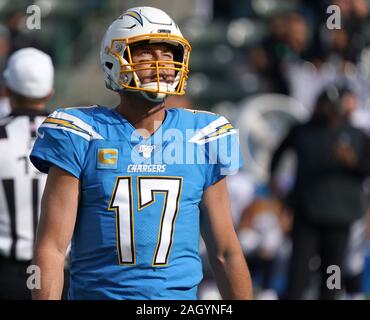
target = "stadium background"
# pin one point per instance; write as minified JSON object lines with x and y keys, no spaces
{"x":261,"y":63}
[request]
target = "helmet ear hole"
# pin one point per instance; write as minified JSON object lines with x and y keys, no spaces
{"x":109,"y":65}
{"x":178,"y":52}
{"x":125,"y":55}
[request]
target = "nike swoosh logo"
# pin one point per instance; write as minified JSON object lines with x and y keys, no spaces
{"x":40,"y":135}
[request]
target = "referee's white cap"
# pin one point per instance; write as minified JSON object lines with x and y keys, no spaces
{"x":30,"y":73}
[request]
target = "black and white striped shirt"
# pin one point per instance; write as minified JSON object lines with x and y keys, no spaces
{"x":21,"y":185}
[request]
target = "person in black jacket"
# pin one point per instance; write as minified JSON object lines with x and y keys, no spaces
{"x":333,"y":158}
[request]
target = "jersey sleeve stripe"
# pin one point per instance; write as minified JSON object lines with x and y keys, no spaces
{"x":55,"y":126}
{"x":213,"y":131}
{"x":64,"y":121}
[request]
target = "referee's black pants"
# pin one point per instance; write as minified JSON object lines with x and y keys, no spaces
{"x":13,"y":280}
{"x":308,"y":240}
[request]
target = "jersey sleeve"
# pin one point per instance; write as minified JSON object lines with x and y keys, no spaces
{"x":220,"y":141}
{"x":62,"y":140}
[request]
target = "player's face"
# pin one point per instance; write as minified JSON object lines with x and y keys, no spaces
{"x":150,"y":53}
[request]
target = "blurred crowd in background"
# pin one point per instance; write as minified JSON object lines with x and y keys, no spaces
{"x":261,"y":63}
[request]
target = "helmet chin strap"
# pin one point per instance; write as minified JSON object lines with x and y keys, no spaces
{"x":153,"y":97}
{"x":156,"y":97}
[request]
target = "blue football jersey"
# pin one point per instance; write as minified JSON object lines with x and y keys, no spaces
{"x":138,"y":223}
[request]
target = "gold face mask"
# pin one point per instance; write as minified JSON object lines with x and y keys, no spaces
{"x":128,"y":78}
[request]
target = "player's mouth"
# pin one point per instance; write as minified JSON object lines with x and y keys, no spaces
{"x":162,"y":78}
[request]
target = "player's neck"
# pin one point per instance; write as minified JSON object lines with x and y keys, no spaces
{"x":141,"y":113}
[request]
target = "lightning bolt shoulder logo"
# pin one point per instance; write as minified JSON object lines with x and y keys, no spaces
{"x":215,"y":130}
{"x":67,"y":122}
{"x":219,"y":131}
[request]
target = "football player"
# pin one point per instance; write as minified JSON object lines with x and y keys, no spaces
{"x":125,"y":183}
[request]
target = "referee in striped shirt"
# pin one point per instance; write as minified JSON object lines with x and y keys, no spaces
{"x":28,"y":81}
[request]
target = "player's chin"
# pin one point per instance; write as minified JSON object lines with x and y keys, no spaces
{"x":153,"y":87}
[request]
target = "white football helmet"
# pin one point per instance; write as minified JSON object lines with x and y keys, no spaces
{"x":143,"y":24}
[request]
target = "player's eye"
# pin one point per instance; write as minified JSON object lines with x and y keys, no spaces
{"x":141,"y":52}
{"x":144,"y":56}
{"x":168,"y":56}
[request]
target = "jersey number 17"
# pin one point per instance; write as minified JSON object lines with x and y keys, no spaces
{"x":122,"y":203}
